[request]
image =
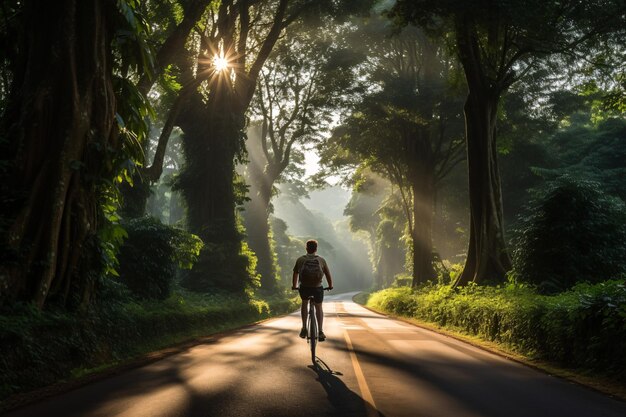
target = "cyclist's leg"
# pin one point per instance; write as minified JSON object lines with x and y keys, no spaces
{"x":319,"y":313}
{"x":304,"y":296}
{"x":303,"y":312}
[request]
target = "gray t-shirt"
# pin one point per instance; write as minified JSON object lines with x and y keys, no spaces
{"x":317,"y":282}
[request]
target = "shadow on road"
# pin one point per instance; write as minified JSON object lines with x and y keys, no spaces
{"x":473,"y":380}
{"x":345,"y":401}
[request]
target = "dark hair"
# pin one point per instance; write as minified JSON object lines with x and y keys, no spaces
{"x":311,"y":246}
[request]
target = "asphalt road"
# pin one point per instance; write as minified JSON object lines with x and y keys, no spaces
{"x":368,"y":366}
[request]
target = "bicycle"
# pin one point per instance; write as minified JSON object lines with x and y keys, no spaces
{"x":312,"y":335}
{"x":312,"y":331}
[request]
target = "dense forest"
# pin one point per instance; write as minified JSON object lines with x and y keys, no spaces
{"x":156,"y":155}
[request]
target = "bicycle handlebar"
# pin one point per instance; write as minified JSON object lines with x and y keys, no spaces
{"x":324,"y":289}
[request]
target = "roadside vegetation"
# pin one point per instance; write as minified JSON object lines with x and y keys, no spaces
{"x":582,"y":328}
{"x":141,"y":307}
{"x":42,"y":348}
{"x":557,"y":305}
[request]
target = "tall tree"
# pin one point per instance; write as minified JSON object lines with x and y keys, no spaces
{"x":63,"y":142}
{"x":376,"y":209}
{"x":219,"y":73}
{"x":409,"y":131}
{"x":234,"y":44}
{"x":497,"y":43}
{"x":304,"y":82}
{"x":174,"y":23}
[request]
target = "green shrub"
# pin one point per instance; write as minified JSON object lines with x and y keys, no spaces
{"x":150,"y":255}
{"x":587,"y":326}
{"x":574,"y":233}
{"x":230,"y":266}
{"x":402,"y":280}
{"x":584,"y":327}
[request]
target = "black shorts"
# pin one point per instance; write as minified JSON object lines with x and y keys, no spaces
{"x":316,"y":292}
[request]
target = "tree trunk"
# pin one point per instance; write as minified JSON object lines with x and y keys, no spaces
{"x":423,"y":200}
{"x":390,"y":260}
{"x":380,"y":261}
{"x":487,"y":257}
{"x":176,"y":210}
{"x":134,"y":197}
{"x":257,"y":228}
{"x":211,"y":141}
{"x":422,"y":168}
{"x":64,"y":113}
{"x":256,"y":216}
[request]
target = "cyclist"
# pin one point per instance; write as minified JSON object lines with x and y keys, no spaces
{"x":310,"y":269}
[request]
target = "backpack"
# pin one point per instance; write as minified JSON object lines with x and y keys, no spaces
{"x":311,"y":272}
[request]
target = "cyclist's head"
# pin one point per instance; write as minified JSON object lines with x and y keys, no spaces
{"x":311,"y":246}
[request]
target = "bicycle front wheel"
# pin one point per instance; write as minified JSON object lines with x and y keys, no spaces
{"x":312,"y":335}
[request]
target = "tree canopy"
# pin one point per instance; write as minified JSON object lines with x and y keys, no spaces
{"x":412,"y":104}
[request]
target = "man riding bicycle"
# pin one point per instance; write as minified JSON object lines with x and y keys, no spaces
{"x":310,"y":269}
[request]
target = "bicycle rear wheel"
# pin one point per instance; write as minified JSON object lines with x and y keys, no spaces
{"x":312,"y":332}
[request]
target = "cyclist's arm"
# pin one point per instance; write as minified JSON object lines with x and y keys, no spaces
{"x":294,"y":281}
{"x":329,"y":277}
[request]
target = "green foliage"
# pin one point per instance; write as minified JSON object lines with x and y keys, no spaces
{"x":250,"y":260}
{"x":287,"y":249}
{"x":150,"y":255}
{"x":307,"y":82}
{"x":375,"y":210}
{"x":412,"y":93}
{"x":135,"y":194}
{"x":367,"y":196}
{"x":131,"y":38}
{"x":614,"y":100}
{"x":134,"y":57}
{"x":596,"y":152}
{"x":229,"y":266}
{"x":582,"y":328}
{"x":447,"y":272}
{"x":241,"y":189}
{"x":574,"y":232}
{"x":111,"y":234}
{"x":532,"y":27}
{"x":402,"y":280}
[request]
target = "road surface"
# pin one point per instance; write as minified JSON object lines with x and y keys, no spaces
{"x":368,"y":366}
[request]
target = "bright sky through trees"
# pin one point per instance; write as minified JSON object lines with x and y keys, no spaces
{"x":311,"y":163}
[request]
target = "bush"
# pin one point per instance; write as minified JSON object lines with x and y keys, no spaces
{"x":150,"y":255}
{"x":574,"y":233}
{"x":226,"y":262}
{"x":582,"y":328}
{"x":402,"y":280}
